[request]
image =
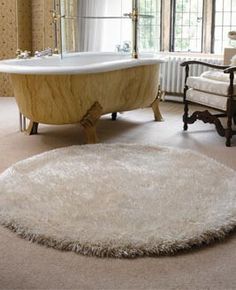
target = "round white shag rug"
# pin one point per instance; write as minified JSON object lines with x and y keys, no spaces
{"x":119,"y":201}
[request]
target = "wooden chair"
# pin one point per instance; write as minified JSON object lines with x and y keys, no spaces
{"x":213,"y":89}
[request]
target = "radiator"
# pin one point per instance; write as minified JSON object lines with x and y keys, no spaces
{"x":172,"y":75}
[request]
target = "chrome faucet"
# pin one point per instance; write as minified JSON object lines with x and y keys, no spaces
{"x":23,"y":54}
{"x":125,"y":47}
{"x":46,"y":52}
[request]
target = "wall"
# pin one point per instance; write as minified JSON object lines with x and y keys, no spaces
{"x":23,"y":29}
{"x":8,"y":40}
{"x":42,"y":29}
{"x":24,"y":24}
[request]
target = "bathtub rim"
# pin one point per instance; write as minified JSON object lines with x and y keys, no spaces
{"x":18,"y":66}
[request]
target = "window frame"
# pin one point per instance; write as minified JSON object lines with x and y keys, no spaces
{"x":208,"y":27}
{"x":214,"y":25}
{"x":161,"y":24}
{"x":173,"y":22}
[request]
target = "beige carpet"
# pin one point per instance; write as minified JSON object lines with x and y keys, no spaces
{"x":29,"y":266}
{"x":119,"y":200}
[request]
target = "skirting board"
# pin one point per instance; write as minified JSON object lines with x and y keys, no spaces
{"x":173,"y":98}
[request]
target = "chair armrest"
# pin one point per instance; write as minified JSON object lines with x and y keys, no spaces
{"x":231,"y":69}
{"x":222,"y":67}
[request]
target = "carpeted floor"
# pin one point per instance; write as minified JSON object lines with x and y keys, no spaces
{"x":29,"y":266}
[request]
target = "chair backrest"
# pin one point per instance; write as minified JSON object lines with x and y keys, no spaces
{"x":228,"y":54}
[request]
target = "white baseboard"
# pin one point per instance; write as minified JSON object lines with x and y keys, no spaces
{"x":178,"y":99}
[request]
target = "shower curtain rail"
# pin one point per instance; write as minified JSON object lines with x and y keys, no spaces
{"x":125,"y":16}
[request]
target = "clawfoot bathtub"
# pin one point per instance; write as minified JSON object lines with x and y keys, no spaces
{"x":82,"y":87}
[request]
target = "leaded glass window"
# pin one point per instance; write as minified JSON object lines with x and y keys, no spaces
{"x":187,"y":25}
{"x":225,"y":21}
{"x":150,"y":26}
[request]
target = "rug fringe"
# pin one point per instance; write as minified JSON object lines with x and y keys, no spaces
{"x":109,"y":251}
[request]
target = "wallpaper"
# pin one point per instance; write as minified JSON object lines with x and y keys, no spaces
{"x":42,"y":27}
{"x":24,"y":24}
{"x":8,"y":40}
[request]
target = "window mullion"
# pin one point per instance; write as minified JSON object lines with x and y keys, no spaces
{"x":207,"y":26}
{"x":166,"y":25}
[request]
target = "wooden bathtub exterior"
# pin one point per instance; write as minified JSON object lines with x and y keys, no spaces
{"x":83,"y":98}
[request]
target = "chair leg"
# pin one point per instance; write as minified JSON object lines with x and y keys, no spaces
{"x":234,"y":117}
{"x":228,"y":143}
{"x":185,"y":116}
{"x":229,"y":131}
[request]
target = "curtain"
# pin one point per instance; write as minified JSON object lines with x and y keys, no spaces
{"x":90,"y":31}
{"x":81,"y":34}
{"x":69,"y":29}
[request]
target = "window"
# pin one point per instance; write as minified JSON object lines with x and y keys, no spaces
{"x":150,"y":25}
{"x":225,"y":21}
{"x":119,"y":30}
{"x":187,"y":25}
{"x":164,"y":25}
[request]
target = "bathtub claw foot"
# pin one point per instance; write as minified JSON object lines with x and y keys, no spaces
{"x":156,"y":110}
{"x":89,"y":122}
{"x":32,"y":128}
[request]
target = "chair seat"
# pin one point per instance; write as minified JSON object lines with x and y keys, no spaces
{"x":217,"y":76}
{"x":207,"y":99}
{"x":213,"y":82}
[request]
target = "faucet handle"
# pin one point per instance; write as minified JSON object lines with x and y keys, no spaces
{"x":49,"y":51}
{"x":23,"y":54}
{"x":27,"y":53}
{"x":118,"y":48}
{"x":46,"y":52}
{"x":18,"y":52}
{"x":36,"y":53}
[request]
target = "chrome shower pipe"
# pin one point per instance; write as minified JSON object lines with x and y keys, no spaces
{"x":135,"y":16}
{"x":56,"y":18}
